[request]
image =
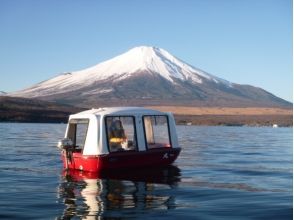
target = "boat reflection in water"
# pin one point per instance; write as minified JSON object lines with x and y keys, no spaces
{"x":122,"y":193}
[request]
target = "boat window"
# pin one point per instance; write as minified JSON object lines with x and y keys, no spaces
{"x":156,"y":131}
{"x":121,"y":133}
{"x":78,"y":132}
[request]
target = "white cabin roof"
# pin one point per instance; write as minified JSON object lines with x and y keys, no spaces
{"x":117,"y":111}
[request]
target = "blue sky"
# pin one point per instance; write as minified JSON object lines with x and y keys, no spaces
{"x":243,"y":41}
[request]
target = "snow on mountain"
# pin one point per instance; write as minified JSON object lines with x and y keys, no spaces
{"x":2,"y":93}
{"x":135,"y":61}
{"x":147,"y":76}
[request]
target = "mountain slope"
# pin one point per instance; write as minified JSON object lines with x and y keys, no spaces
{"x":13,"y":109}
{"x":147,"y":76}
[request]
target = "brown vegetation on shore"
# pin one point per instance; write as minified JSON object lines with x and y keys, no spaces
{"x":182,"y":110}
{"x":29,"y":110}
{"x":230,"y":116}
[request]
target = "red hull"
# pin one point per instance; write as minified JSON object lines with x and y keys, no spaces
{"x":118,"y":160}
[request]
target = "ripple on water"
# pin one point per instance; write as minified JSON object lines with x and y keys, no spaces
{"x":222,"y":173}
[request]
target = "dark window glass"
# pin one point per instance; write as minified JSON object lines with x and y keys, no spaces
{"x":121,"y":134}
{"x":78,"y":132}
{"x":156,"y":131}
{"x":81,"y":134}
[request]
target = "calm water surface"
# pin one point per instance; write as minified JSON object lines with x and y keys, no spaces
{"x":221,"y":173}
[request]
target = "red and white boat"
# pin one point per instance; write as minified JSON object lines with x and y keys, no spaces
{"x":115,"y":138}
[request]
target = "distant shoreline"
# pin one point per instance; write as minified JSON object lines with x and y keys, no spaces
{"x":215,"y":120}
{"x":257,"y":120}
{"x":235,"y":120}
{"x":188,"y":110}
{"x":13,"y":109}
{"x":229,"y":116}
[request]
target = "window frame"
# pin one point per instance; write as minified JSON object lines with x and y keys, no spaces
{"x":168,"y":128}
{"x":75,"y":131}
{"x":135,"y":133}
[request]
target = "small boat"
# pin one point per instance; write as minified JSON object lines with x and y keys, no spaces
{"x":121,"y":137}
{"x":275,"y":126}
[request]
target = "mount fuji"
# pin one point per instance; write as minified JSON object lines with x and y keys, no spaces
{"x":147,"y":76}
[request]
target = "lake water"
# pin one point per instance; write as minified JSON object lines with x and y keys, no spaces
{"x":221,"y":173}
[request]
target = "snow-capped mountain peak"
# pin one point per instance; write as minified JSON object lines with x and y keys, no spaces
{"x":146,"y":76}
{"x":147,"y":58}
{"x":142,"y":59}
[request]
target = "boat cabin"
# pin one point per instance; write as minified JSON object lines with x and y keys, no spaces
{"x":112,"y":138}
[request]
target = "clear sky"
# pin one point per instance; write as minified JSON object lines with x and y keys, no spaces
{"x":243,"y":41}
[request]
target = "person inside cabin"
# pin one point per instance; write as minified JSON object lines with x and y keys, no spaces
{"x":117,"y":137}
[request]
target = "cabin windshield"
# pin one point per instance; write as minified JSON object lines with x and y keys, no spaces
{"x":77,"y":132}
{"x":156,"y":131}
{"x":121,"y":133}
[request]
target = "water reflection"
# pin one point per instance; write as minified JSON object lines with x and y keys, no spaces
{"x":126,"y":193}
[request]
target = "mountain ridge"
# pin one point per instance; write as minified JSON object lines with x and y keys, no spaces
{"x":146,"y":76}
